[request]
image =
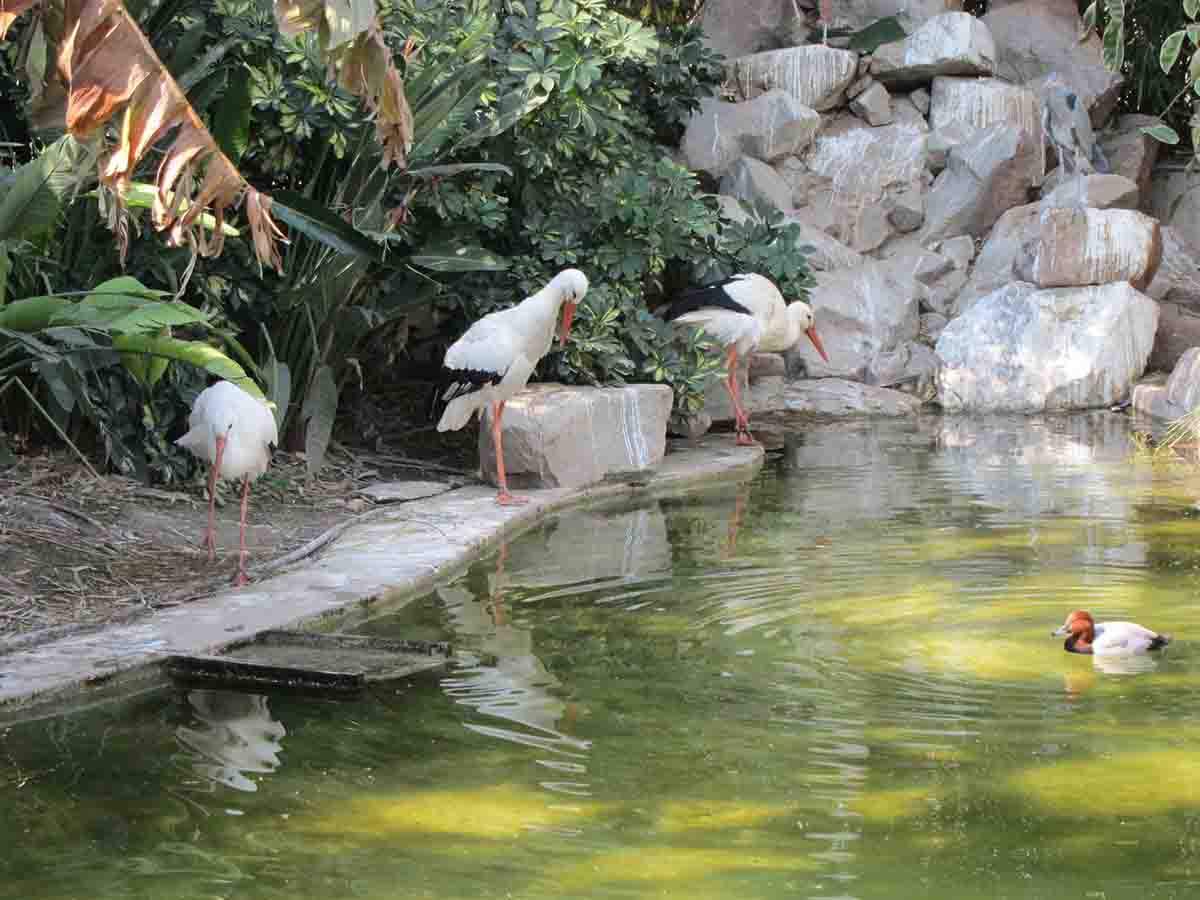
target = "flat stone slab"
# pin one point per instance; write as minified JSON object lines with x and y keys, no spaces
{"x":404,"y":491}
{"x":838,"y":397}
{"x":386,"y":559}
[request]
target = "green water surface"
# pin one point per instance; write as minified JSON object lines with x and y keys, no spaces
{"x":836,"y":681}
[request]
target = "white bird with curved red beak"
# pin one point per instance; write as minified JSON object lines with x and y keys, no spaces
{"x":493,"y":360}
{"x":234,"y":433}
{"x":745,"y":313}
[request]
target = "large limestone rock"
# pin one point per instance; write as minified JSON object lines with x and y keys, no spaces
{"x":814,"y":74}
{"x":1037,"y":38}
{"x":857,"y":14}
{"x":1179,"y":396}
{"x":559,"y":436}
{"x":1131,"y":153}
{"x":739,"y":27}
{"x":1099,"y":191}
{"x":838,"y":397}
{"x":824,"y":253}
{"x":1175,"y":201}
{"x":1091,"y":246}
{"x":1178,"y":331}
{"x":769,"y":127}
{"x":860,"y":314}
{"x":1024,"y":350}
{"x":994,"y":267}
{"x":1178,"y":277}
{"x":979,"y":103}
{"x":853,"y":173}
{"x":984,"y":177}
{"x":758,"y":185}
{"x":953,"y":43}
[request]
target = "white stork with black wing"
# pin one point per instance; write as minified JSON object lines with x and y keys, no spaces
{"x":493,"y":360}
{"x":745,"y":313}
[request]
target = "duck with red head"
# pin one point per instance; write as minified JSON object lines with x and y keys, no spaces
{"x":1085,"y":635}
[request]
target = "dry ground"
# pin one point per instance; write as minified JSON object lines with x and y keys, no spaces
{"x":78,"y":551}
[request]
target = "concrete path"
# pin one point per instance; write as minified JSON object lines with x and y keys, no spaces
{"x":387,"y":559}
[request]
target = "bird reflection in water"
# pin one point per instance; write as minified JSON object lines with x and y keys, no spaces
{"x":233,"y":736}
{"x":735,"y":521}
{"x":1078,"y":683}
{"x":514,"y":686}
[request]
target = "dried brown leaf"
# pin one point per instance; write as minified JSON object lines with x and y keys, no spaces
{"x":9,"y":10}
{"x":367,"y":70}
{"x":357,"y":50}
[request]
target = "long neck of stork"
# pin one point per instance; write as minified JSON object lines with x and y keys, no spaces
{"x":542,"y":315}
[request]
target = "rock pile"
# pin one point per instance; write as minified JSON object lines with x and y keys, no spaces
{"x":983,"y":230}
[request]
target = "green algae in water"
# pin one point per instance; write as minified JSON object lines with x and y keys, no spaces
{"x":837,"y":681}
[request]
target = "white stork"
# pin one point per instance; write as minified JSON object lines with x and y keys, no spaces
{"x":493,"y":360}
{"x":745,"y":313}
{"x":234,"y":433}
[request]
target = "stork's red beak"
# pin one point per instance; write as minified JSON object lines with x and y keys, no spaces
{"x":565,"y":329}
{"x":812,"y":336}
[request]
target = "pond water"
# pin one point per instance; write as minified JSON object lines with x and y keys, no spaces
{"x":835,"y":681}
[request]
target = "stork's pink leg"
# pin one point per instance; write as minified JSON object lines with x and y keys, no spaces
{"x":744,"y":438}
{"x":214,"y":471}
{"x":240,"y":578}
{"x":504,"y":498}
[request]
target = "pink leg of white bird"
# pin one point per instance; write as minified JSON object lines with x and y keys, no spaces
{"x":744,"y":437}
{"x":210,"y":536}
{"x":241,"y":577}
{"x":504,"y":498}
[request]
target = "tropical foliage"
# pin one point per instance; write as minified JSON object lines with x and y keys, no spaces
{"x":493,"y":143}
{"x":1147,"y":43}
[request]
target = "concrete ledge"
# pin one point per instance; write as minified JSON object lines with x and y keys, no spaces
{"x":384,"y":560}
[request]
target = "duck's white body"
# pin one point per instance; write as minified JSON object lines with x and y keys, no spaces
{"x":1120,"y":638}
{"x":494,"y":358}
{"x":224,"y":408}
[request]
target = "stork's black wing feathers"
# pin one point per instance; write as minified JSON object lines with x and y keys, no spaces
{"x":458,"y":382}
{"x":705,"y":296}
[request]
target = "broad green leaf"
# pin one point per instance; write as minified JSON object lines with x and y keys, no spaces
{"x":511,"y":109}
{"x":1164,"y":134}
{"x":1193,"y":33}
{"x":319,"y":412}
{"x":1169,"y":52}
{"x":5,"y":269}
{"x":279,"y":389}
{"x":444,"y":257}
{"x":31,"y":313}
{"x":140,"y":318}
{"x":186,"y":48}
{"x":192,"y":353}
{"x":875,"y":35}
{"x":457,"y":169}
{"x":1114,"y":35}
{"x":1089,"y":21}
{"x":231,"y":127}
{"x":321,"y":225}
{"x":1191,"y":7}
{"x":30,"y":204}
